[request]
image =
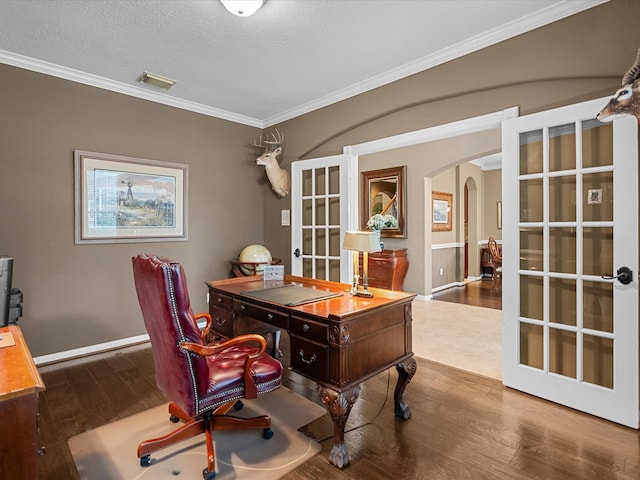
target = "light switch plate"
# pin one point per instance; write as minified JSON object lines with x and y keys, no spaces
{"x":285,"y":218}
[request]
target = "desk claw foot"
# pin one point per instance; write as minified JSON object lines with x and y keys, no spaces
{"x":339,"y":455}
{"x":339,"y":406}
{"x":406,"y":371}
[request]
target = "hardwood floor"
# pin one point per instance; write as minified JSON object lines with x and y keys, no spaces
{"x":477,"y":293}
{"x":464,"y":426}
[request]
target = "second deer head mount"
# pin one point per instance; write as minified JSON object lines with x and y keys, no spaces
{"x":626,"y":101}
{"x":272,"y":147}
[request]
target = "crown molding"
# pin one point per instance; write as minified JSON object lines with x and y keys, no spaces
{"x":65,"y":73}
{"x":530,"y":22}
{"x":504,"y":32}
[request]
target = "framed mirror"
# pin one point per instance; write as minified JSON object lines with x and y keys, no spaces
{"x":383,"y":192}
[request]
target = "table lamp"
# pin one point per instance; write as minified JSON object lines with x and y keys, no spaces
{"x":364,"y":242}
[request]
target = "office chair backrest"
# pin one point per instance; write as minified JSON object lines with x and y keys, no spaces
{"x":164,"y":300}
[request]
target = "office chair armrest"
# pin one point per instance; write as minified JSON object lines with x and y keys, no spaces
{"x":213,"y":348}
{"x":207,"y":327}
{"x":250,"y":387}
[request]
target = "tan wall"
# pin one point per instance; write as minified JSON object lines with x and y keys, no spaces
{"x":79,"y":295}
{"x":573,"y":60}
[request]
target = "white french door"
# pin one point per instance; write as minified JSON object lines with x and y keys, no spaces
{"x":320,"y":214}
{"x":570,"y":224}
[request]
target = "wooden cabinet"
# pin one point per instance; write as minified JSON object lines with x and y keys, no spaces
{"x":388,"y":268}
{"x":20,"y":383}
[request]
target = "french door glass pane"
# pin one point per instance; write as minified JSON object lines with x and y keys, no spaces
{"x":531,"y":345}
{"x":334,"y":180}
{"x":531,"y":200}
{"x":307,"y":212}
{"x":562,"y":147}
{"x":321,"y":213}
{"x":531,"y":249}
{"x":597,"y":204}
{"x":597,"y":144}
{"x":562,"y":352}
{"x":320,"y":181}
{"x":598,"y":360}
{"x":562,"y":301}
{"x":307,"y":183}
{"x":562,"y":250}
{"x":334,"y":270}
{"x":597,"y":306}
{"x":334,"y":242}
{"x":562,"y":199}
{"x":321,"y":244}
{"x":531,"y":152}
{"x":598,"y":251}
{"x":531,"y":299}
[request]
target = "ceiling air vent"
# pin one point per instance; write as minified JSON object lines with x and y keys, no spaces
{"x":157,"y":81}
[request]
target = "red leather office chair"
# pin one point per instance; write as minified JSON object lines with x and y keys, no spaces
{"x":202,"y":381}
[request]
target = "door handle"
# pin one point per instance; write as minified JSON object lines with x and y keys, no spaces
{"x":297,"y":253}
{"x":624,"y":276}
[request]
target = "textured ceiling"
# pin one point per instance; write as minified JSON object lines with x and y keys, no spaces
{"x":291,"y":57}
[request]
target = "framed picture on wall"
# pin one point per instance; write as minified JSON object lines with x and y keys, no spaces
{"x":442,"y":220}
{"x":123,"y":199}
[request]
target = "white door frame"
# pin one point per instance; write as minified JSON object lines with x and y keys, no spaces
{"x":489,"y":121}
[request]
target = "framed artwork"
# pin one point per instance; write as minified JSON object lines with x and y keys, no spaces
{"x":383,"y":193}
{"x":499,"y":215}
{"x":442,"y":211}
{"x":122,"y":199}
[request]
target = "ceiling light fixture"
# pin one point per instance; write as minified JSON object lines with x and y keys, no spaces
{"x":242,"y":8}
{"x":155,"y":80}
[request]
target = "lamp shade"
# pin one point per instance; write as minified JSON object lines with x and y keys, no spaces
{"x":361,"y":242}
{"x":242,"y":8}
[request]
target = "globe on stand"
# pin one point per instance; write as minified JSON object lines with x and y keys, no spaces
{"x":252,"y":255}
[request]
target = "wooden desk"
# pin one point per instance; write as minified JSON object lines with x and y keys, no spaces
{"x":338,"y":342}
{"x":20,"y":383}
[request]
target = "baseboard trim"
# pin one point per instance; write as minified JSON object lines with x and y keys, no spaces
{"x":448,"y":285}
{"x":89,"y":350}
{"x":95,"y":349}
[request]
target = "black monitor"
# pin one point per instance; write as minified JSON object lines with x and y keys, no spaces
{"x":6,"y":272}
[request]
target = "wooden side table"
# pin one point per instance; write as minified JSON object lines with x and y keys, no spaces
{"x":387,"y":269}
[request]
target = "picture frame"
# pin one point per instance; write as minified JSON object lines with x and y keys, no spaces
{"x":383,"y":190}
{"x":500,"y":215}
{"x":442,"y":212}
{"x":122,"y":199}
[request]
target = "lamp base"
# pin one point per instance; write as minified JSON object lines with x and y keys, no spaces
{"x":363,"y":293}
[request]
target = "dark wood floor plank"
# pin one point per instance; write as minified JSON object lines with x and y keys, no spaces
{"x":464,"y":426}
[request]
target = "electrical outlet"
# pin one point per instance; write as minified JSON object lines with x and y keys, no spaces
{"x":441,"y":271}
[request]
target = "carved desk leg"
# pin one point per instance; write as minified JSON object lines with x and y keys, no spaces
{"x":406,"y":371}
{"x":339,"y":406}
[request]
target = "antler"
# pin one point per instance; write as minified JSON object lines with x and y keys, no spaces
{"x":277,"y":140}
{"x":634,"y":72}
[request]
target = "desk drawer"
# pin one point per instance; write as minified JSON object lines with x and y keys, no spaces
{"x":221,"y":301}
{"x":222,"y":321}
{"x":309,"y":358}
{"x":273,"y":317}
{"x":309,"y":329}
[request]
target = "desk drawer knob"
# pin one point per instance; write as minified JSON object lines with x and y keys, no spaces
{"x":305,"y":328}
{"x":243,"y":307}
{"x":220,"y":299}
{"x":270,"y":317}
{"x":311,"y":359}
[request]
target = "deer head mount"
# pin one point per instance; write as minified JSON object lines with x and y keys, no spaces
{"x":626,"y":101}
{"x":272,"y":147}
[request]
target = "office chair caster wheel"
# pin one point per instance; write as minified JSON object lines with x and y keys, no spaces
{"x":267,"y":433}
{"x":145,"y":461}
{"x":207,"y":475}
{"x":238,"y":405}
{"x":173,"y":419}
